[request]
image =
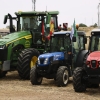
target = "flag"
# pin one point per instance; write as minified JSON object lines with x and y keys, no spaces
{"x":73,"y":31}
{"x":43,"y":28}
{"x":43,"y":31}
{"x":51,"y":28}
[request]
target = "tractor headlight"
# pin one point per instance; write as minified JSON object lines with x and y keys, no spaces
{"x":38,"y":61}
{"x":46,"y":61}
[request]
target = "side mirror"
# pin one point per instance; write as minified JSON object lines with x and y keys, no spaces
{"x":85,"y":40}
{"x":48,"y":18}
{"x":74,"y":39}
{"x":5,"y":19}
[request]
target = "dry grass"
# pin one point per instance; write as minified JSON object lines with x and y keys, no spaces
{"x":4,"y":30}
{"x":85,"y":29}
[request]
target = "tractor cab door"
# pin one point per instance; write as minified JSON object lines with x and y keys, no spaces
{"x":78,"y":46}
{"x":68,"y":49}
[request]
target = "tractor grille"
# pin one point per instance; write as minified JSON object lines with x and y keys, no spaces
{"x":42,"y":60}
{"x":93,"y":63}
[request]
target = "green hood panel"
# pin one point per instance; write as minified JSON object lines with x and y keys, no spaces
{"x":14,"y":37}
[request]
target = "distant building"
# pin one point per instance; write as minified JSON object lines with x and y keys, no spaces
{"x":4,"y":32}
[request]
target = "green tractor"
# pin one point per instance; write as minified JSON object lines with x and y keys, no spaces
{"x":63,"y":56}
{"x":88,"y":74}
{"x":20,"y":49}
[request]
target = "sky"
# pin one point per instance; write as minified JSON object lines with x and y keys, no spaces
{"x":83,"y":11}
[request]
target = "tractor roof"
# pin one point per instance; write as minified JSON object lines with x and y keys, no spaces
{"x":62,"y":32}
{"x":69,"y":32}
{"x":95,"y":30}
{"x":37,"y":13}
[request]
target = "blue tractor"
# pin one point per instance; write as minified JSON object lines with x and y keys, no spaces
{"x":58,"y":63}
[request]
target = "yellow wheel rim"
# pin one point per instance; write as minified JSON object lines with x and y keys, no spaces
{"x":33,"y":61}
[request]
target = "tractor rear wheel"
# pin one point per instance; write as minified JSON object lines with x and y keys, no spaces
{"x":62,"y":76}
{"x":35,"y":78}
{"x":79,"y":83}
{"x":26,"y":60}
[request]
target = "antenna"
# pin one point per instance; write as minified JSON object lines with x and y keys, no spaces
{"x":33,"y":4}
{"x":46,"y":8}
{"x":99,"y":14}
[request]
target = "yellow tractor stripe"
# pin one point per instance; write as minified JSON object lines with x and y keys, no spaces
{"x":26,"y":37}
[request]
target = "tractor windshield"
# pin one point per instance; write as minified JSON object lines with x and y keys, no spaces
{"x":34,"y":25}
{"x":95,"y":43}
{"x":79,"y":44}
{"x":30,"y":23}
{"x":59,"y":42}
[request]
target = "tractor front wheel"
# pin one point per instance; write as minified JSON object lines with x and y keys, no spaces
{"x":35,"y":78}
{"x":79,"y":83}
{"x":26,"y":60}
{"x":62,"y":76}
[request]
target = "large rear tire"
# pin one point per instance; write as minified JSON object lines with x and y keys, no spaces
{"x":35,"y":78}
{"x":62,"y":76}
{"x":26,"y":60}
{"x":79,"y":83}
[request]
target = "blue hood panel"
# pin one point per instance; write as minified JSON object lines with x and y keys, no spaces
{"x":56,"y":55}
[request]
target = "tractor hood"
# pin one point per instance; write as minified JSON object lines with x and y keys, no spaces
{"x":14,"y":37}
{"x":94,"y":56}
{"x":55,"y":55}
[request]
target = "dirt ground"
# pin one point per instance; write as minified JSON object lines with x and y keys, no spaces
{"x":13,"y":88}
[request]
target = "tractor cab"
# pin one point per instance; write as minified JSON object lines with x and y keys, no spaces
{"x":37,"y":22}
{"x":60,"y":45}
{"x":32,"y":20}
{"x":94,"y":40}
{"x":60,"y":41}
{"x":79,"y":48}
